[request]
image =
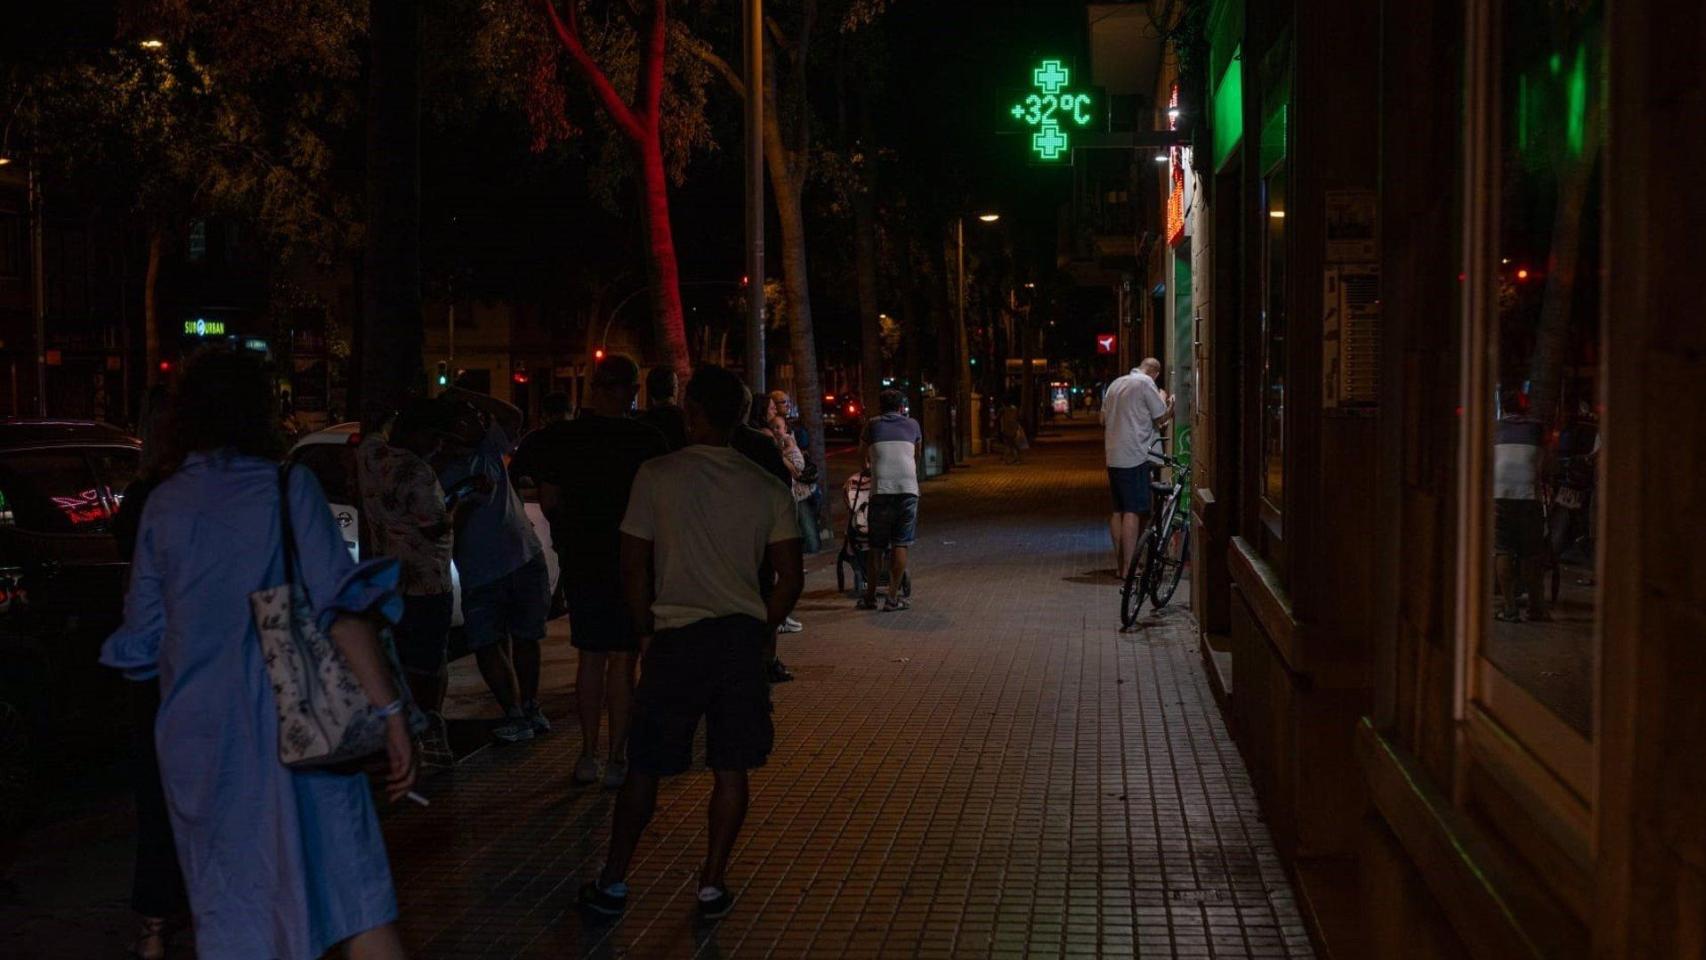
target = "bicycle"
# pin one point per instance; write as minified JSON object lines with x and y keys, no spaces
{"x":1158,"y":563}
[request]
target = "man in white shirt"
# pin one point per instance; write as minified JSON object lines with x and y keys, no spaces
{"x":1133,"y":414}
{"x":700,"y":521}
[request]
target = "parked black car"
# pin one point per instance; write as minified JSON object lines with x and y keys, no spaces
{"x":61,"y":593}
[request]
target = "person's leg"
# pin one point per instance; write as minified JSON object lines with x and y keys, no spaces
{"x":380,"y":943}
{"x":499,"y":673}
{"x":897,"y":569}
{"x":530,"y":607}
{"x":634,"y":807}
{"x":619,"y":693}
{"x":589,"y":697}
{"x":1131,"y":528}
{"x":726,"y":814}
{"x":873,"y":558}
{"x":526,"y":656}
{"x":1116,"y":535}
{"x":1534,"y":561}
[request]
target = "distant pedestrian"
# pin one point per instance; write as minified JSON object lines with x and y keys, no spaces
{"x":1013,"y":440}
{"x":1133,"y":415}
{"x":663,"y":411}
{"x":753,"y":440}
{"x":1519,"y":520}
{"x":278,"y":862}
{"x":809,"y":475}
{"x":405,"y":513}
{"x":691,"y":580}
{"x":506,"y":584}
{"x":795,"y":460}
{"x":585,"y":468}
{"x":889,"y":448}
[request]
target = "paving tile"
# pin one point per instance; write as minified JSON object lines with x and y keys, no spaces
{"x":998,"y":772}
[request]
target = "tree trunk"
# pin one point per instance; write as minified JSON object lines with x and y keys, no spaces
{"x":151,"y":305}
{"x":661,"y":271}
{"x":1557,"y":304}
{"x":391,"y":337}
{"x":807,"y":388}
{"x":865,"y":258}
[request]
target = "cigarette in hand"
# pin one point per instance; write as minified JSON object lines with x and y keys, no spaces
{"x":417,"y":798}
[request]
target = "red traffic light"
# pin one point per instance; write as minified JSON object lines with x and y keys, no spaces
{"x":598,"y":355}
{"x":518,"y":377}
{"x":165,"y":366}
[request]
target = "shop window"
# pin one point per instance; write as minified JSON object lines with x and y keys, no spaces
{"x":1273,"y":338}
{"x":1537,"y":402}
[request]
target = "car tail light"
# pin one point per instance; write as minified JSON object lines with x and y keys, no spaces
{"x":354,"y":439}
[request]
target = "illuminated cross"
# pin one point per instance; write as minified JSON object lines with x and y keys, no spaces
{"x":1051,"y":76}
{"x":1049,"y":142}
{"x":1018,"y":112}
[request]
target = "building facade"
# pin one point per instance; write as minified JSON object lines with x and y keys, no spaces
{"x":1427,"y":263}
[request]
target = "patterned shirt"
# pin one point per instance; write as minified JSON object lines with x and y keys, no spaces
{"x":402,"y":506}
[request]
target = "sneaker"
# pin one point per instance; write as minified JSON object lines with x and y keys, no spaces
{"x":513,"y":729}
{"x":615,"y":774}
{"x":896,"y":603}
{"x":779,"y":672}
{"x":715,"y":903}
{"x":790,"y":625}
{"x":536,"y":717}
{"x":609,"y":901}
{"x":866,"y":603}
{"x":586,"y":771}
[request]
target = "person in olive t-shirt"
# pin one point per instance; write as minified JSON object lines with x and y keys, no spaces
{"x":585,"y":469}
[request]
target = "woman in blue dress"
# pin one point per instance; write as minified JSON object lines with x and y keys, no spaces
{"x":279,"y":863}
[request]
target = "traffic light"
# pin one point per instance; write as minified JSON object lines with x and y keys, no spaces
{"x":443,"y":373}
{"x":598,"y":355}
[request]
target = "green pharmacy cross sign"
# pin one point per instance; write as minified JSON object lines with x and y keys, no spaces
{"x":1052,"y":109}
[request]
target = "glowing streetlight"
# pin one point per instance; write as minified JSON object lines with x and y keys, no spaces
{"x":989,"y":217}
{"x":152,"y":44}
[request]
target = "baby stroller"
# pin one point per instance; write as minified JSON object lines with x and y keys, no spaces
{"x":857,"y":493}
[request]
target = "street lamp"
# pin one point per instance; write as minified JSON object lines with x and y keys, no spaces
{"x":152,"y":44}
{"x":964,"y":392}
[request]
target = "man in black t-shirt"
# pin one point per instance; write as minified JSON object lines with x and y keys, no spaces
{"x":585,"y":469}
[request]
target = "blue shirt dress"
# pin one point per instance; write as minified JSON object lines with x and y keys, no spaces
{"x":279,"y":863}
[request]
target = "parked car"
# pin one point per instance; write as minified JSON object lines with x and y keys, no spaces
{"x":61,"y":593}
{"x":330,"y":454}
{"x":843,"y":415}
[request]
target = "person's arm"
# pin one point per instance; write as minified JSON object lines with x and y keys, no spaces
{"x":358,"y":640}
{"x":347,"y":602}
{"x":507,"y":415}
{"x":638,"y":590}
{"x":865,"y":444}
{"x":787,"y":559}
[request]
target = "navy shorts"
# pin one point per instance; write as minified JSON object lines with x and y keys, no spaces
{"x":598,"y":620}
{"x":1130,"y":486}
{"x":893,"y":520}
{"x":422,"y":636}
{"x":714,"y":669}
{"x":514,"y":606}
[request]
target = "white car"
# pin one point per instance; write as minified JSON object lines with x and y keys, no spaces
{"x":330,"y":454}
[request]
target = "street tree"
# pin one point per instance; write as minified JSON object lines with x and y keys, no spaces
{"x":650,"y":100}
{"x":793,"y":31}
{"x":213,"y":109}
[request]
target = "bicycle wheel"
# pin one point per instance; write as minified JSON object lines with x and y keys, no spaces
{"x":1138,"y":581}
{"x":1175,"y":553}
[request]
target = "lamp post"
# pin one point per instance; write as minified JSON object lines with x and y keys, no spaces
{"x":963,"y":394}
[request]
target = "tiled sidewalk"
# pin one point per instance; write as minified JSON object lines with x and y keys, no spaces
{"x":997,"y":772}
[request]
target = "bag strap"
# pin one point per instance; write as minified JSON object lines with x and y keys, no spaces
{"x":287,"y":530}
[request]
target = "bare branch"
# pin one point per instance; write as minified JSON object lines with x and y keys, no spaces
{"x":651,"y":84}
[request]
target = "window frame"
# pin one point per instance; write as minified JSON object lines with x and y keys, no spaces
{"x":1542,"y":770}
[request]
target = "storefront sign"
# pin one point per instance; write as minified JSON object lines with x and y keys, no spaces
{"x":204,"y":328}
{"x":1051,"y":109}
{"x":1105,"y":343}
